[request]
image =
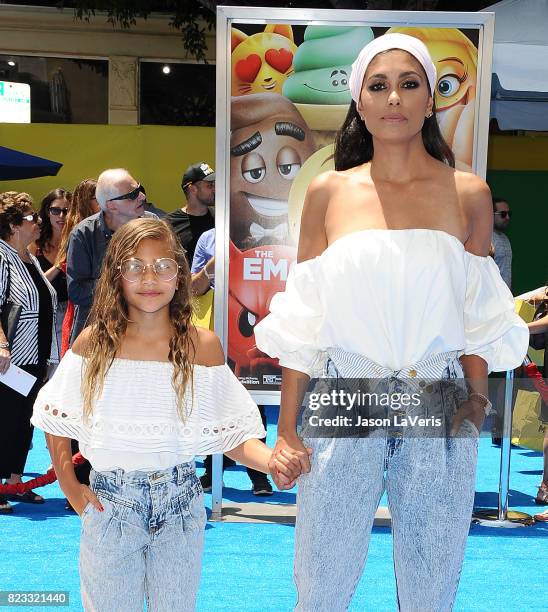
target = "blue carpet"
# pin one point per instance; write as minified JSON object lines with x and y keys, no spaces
{"x":248,"y":567}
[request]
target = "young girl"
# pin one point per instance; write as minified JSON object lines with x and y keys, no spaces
{"x":144,"y":391}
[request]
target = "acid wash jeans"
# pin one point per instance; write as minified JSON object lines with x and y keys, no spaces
{"x":147,"y":544}
{"x":430,"y":483}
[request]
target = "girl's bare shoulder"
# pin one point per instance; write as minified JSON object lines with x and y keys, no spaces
{"x":80,"y":345}
{"x":209,"y":351}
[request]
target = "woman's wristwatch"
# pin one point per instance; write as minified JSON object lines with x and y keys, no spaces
{"x":482,"y":400}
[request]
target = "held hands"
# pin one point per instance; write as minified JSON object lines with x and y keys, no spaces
{"x":290,"y":459}
{"x":80,"y":496}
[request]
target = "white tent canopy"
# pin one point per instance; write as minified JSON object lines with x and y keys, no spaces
{"x":520,"y":64}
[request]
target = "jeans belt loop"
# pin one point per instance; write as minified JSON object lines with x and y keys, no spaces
{"x":180,"y":474}
{"x":119,"y":473}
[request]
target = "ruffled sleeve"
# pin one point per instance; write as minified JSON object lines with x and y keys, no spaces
{"x":291,"y":331}
{"x":227,"y":414}
{"x":58,"y":406}
{"x":492,"y":329}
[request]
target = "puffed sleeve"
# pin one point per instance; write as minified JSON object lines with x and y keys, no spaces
{"x":492,"y":328}
{"x":58,"y":406}
{"x":227,"y":414}
{"x":291,"y":331}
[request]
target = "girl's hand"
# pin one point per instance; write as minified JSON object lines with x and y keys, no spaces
{"x":289,"y":460}
{"x":5,"y":360}
{"x":81,"y":496}
{"x":285,"y":468}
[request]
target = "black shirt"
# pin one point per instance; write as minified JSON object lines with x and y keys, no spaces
{"x":59,"y":283}
{"x":45,"y":314}
{"x":189,"y":228}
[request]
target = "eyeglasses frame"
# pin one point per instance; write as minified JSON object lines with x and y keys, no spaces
{"x":146,"y":266}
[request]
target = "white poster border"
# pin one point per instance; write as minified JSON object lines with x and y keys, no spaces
{"x":226,"y":15}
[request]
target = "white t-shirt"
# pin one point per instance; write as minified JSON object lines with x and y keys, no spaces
{"x":135,"y":424}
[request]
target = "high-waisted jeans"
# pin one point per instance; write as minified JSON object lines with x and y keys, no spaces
{"x":147,"y":544}
{"x":430,"y":485}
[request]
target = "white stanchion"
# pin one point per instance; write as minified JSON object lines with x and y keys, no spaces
{"x":217,"y":487}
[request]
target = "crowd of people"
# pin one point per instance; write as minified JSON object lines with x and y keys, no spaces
{"x":96,"y":277}
{"x":50,"y":261}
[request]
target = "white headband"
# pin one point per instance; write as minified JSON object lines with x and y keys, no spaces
{"x":412,"y":45}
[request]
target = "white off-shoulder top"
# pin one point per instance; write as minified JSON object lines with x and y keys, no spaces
{"x":396,"y":297}
{"x":135,"y":424}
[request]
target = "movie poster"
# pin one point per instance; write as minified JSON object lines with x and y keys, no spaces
{"x":289,"y":95}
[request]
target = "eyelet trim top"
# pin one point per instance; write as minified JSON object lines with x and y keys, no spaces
{"x":135,"y":424}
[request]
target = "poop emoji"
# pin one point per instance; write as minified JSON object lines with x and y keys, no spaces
{"x":322,"y":67}
{"x":323,"y":62}
{"x":262,"y":62}
{"x":269,"y":143}
{"x":455,"y":58}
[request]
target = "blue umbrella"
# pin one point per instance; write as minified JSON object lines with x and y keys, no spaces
{"x":17,"y":165}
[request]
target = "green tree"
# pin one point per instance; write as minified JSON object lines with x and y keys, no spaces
{"x":194,"y":18}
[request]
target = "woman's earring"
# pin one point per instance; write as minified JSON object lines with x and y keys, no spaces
{"x":429,"y":114}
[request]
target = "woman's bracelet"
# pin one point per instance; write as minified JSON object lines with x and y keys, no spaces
{"x":481,"y":399}
{"x":4,"y":345}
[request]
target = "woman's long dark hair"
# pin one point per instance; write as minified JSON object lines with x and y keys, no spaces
{"x":354,"y":142}
{"x":46,"y":230}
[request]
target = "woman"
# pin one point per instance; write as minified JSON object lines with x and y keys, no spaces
{"x":538,"y":328}
{"x":84,"y":205}
{"x":54,"y":211}
{"x":393,"y":286}
{"x":34,"y":345}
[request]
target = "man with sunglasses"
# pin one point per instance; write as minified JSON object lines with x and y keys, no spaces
{"x":191,"y":221}
{"x":121,"y":199}
{"x":503,"y":249}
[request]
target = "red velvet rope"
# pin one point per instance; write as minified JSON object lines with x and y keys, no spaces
{"x":39,"y":481}
{"x":539,"y":383}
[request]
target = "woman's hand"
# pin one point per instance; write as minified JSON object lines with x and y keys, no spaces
{"x":80,"y":496}
{"x":5,"y":360}
{"x":289,"y":460}
{"x":471,"y":411}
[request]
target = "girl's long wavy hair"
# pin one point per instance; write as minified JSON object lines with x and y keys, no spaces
{"x":80,"y":209}
{"x":109,"y":313}
{"x":354,"y":142}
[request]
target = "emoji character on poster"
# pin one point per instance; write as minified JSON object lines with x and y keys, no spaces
{"x":262,"y":62}
{"x":323,"y":62}
{"x":319,"y":85}
{"x":456,"y":61}
{"x":269,"y":143}
{"x":255,"y":276}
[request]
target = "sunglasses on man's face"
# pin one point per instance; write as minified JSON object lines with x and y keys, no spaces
{"x":132,"y":195}
{"x":56,"y":212}
{"x":504,"y":213}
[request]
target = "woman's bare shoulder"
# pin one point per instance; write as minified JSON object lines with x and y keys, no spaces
{"x":209,"y":351}
{"x":474,"y":193}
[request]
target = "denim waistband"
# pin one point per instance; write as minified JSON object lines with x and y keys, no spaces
{"x":354,"y":365}
{"x":177,"y":473}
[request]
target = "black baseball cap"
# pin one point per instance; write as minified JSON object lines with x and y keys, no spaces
{"x":197,"y":172}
